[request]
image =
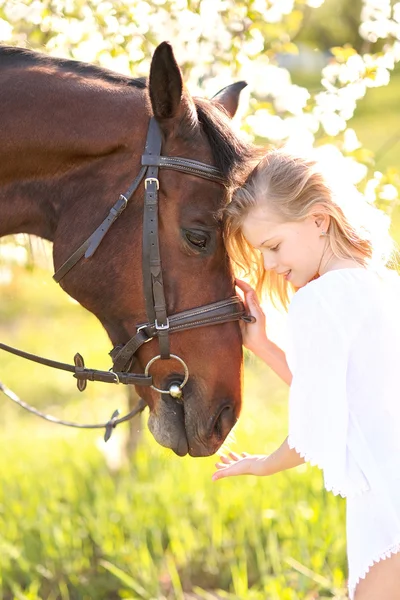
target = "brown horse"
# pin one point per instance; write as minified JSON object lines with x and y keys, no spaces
{"x":71,"y":139}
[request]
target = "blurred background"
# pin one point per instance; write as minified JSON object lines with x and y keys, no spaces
{"x":82,"y":520}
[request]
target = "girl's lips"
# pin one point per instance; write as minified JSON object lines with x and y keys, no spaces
{"x":287,"y":275}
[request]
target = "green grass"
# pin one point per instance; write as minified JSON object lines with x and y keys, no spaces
{"x":72,"y":529}
{"x":158,"y":528}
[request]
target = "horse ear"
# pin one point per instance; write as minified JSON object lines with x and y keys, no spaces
{"x":169,"y":99}
{"x":228,"y":97}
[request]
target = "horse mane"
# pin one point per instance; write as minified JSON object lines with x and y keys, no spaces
{"x":14,"y":56}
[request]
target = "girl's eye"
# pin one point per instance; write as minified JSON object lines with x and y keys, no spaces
{"x":275,"y":248}
{"x":197,"y":239}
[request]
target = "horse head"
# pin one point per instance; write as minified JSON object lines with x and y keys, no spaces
{"x":94,"y":126}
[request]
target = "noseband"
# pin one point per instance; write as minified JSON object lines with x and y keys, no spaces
{"x":159,"y":323}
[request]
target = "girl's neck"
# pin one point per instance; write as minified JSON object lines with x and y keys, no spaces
{"x":333,"y":263}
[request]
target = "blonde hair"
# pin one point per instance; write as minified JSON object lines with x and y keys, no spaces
{"x":292,"y":186}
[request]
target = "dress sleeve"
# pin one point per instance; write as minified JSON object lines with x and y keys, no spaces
{"x":318,"y":356}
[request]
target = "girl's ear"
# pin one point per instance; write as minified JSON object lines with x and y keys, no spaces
{"x":321,"y":220}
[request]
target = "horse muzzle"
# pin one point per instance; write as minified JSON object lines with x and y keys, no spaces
{"x":191,"y":425}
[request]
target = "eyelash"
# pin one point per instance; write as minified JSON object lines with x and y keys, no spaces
{"x":275,"y":248}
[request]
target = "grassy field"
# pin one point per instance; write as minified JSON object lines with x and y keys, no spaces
{"x":72,"y":528}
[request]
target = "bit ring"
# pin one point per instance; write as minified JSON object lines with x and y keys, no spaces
{"x":186,"y":377}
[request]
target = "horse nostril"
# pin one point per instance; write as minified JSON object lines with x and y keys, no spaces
{"x":224,"y":423}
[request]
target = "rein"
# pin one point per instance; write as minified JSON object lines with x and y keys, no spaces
{"x":160,"y":324}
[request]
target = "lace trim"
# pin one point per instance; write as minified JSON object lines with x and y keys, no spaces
{"x":395,"y":549}
{"x":336,"y":491}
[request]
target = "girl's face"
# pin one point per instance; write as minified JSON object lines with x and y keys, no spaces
{"x":293,"y":249}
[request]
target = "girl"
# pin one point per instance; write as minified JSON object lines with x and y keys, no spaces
{"x":292,"y":230}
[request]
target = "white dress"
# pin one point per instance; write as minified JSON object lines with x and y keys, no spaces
{"x":344,"y":404}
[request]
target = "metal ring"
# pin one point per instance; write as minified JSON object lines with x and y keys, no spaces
{"x":146,"y":372}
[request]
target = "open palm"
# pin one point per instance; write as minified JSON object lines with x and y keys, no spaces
{"x":239,"y":464}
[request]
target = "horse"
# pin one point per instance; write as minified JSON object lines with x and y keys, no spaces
{"x":72,"y":140}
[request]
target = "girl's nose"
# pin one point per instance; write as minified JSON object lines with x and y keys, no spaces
{"x":269,"y":262}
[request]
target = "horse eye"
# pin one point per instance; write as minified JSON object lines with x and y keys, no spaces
{"x":197,"y":239}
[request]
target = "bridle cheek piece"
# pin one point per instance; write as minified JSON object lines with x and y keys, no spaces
{"x":159,"y":324}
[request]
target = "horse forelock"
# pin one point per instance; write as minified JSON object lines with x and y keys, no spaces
{"x":231,"y":154}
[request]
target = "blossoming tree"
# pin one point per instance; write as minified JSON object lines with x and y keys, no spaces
{"x":217,"y":41}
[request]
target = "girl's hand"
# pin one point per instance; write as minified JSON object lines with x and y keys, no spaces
{"x":253,"y":334}
{"x":244,"y":464}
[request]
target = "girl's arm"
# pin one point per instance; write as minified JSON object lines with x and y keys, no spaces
{"x":283,"y":458}
{"x":275,"y":358}
{"x":255,"y":337}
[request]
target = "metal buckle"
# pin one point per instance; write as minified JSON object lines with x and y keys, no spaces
{"x":117,"y":381}
{"x":117,"y":211}
{"x":152,"y":180}
{"x":161,"y":327}
{"x":144,"y":327}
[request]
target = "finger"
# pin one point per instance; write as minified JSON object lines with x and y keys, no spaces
{"x":252,"y":298}
{"x":234,"y":456}
{"x":220,"y":465}
{"x":244,"y":454}
{"x":224,"y":459}
{"x":253,"y":303}
{"x":249,"y":292}
{"x":229,"y":471}
{"x":218,"y":475}
{"x":243,"y":285}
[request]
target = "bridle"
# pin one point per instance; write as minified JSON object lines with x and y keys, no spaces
{"x":159,"y":323}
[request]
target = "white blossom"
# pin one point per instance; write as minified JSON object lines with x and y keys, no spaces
{"x":293,"y":99}
{"x":388,"y":192}
{"x":351,"y":141}
{"x":6,"y":30}
{"x":268,"y":126}
{"x":370,"y":190}
{"x":216,"y":43}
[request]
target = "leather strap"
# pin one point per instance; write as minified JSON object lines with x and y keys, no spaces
{"x":156,"y":306}
{"x":109,"y":425}
{"x":222,"y":311}
{"x":80,"y":372}
{"x":185,"y":165}
{"x":89,"y":246}
{"x":149,"y":159}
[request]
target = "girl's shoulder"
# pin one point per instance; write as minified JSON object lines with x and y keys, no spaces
{"x":346,"y":295}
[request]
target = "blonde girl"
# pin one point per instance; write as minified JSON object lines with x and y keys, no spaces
{"x":319,"y":249}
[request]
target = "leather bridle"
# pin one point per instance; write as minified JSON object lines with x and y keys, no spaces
{"x":159,"y":323}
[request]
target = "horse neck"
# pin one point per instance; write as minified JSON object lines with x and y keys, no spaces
{"x":76,"y":191}
{"x":60,"y":139}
